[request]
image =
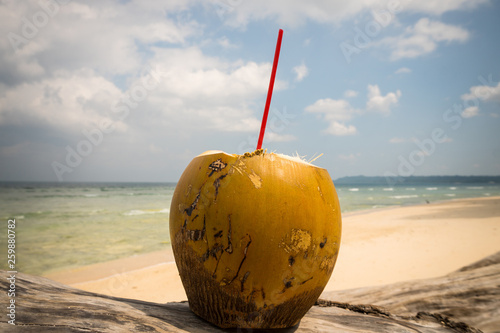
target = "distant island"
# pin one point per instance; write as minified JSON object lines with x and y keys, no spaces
{"x":417,"y":180}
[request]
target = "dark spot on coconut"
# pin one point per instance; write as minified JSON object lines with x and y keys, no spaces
{"x":217,"y":184}
{"x":190,"y":209}
{"x":229,"y":248}
{"x":288,"y":283}
{"x":216,"y":166}
{"x":252,"y":294}
{"x":306,"y":280}
{"x":245,"y":250}
{"x":205,"y":256}
{"x":305,"y":254}
{"x":322,"y":244}
{"x":215,"y":249}
{"x":243,"y":279}
{"x":291,"y":260}
{"x":218,"y":234}
{"x":196,"y":234}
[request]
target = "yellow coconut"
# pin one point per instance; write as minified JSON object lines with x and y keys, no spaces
{"x":255,"y":237}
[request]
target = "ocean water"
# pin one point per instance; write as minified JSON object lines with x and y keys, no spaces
{"x":62,"y":225}
{"x":360,"y":197}
{"x":66,"y":225}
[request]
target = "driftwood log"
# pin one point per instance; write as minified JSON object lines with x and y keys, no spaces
{"x":470,"y":295}
{"x":464,"y":301}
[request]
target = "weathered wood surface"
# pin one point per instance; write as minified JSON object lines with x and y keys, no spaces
{"x":470,"y":295}
{"x":457,"y":302}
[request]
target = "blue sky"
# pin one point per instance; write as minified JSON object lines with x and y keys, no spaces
{"x":133,"y":90}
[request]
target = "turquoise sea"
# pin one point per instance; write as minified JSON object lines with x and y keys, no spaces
{"x":66,"y":225}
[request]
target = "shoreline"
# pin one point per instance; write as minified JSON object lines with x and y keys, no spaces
{"x":108,"y":269}
{"x":376,"y":209}
{"x":73,"y":275}
{"x":379,"y":246}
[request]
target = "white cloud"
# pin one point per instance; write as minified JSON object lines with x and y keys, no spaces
{"x":190,"y":74}
{"x":470,"y":112}
{"x":350,"y":93}
{"x":276,"y":137}
{"x":67,"y":102}
{"x":293,"y":13}
{"x":485,"y":93}
{"x":226,"y":43}
{"x":423,"y":38}
{"x":340,"y":129}
{"x":103,"y":36}
{"x":301,"y":71}
{"x":403,"y":70}
{"x":201,"y":92}
{"x":336,"y":112}
{"x":63,"y":79}
{"x":397,"y":140}
{"x":440,"y":7}
{"x":81,"y":64}
{"x":332,"y":109}
{"x":378,"y":103}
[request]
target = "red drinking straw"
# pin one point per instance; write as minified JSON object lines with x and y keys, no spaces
{"x":270,"y":90}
